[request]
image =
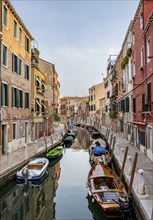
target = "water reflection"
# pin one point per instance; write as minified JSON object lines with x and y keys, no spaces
{"x":62,"y":195}
{"x":31,"y":201}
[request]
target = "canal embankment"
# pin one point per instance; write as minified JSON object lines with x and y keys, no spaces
{"x":13,"y":161}
{"x":142,"y":185}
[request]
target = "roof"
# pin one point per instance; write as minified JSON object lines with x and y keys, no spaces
{"x":10,"y":6}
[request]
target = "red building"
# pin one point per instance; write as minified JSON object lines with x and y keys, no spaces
{"x":148,"y":75}
{"x":142,"y":52}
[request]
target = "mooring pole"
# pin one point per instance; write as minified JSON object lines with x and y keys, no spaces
{"x":132,"y":173}
{"x":124,"y":160}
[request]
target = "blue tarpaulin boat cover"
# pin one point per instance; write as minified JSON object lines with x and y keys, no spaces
{"x":99,"y":150}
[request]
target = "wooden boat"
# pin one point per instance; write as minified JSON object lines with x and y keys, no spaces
{"x":104,"y":157}
{"x":34,"y":170}
{"x":108,"y":191}
{"x":56,"y":152}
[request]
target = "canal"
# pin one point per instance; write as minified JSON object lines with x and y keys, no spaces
{"x":62,"y":195}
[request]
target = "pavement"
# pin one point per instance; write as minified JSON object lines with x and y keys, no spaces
{"x":11,"y":160}
{"x":142,"y":188}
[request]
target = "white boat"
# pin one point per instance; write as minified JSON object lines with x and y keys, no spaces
{"x":34,"y":170}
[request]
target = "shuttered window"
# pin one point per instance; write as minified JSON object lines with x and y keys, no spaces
{"x":26,"y":72}
{"x":127,"y":104}
{"x":17,"y":98}
{"x":134,"y":105}
{"x":16,"y":64}
{"x":4,"y":94}
{"x":26,"y":100}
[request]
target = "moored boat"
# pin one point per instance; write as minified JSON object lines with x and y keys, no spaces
{"x":68,"y":139}
{"x":101,"y":155}
{"x":34,"y":170}
{"x":56,"y":152}
{"x":108,"y":191}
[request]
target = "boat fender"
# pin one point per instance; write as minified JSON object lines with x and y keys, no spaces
{"x":93,"y":200}
{"x":25,"y":172}
{"x":89,"y":192}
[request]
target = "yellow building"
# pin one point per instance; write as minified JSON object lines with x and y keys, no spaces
{"x":15,"y":79}
{"x":74,"y":108}
{"x":56,"y":90}
{"x":96,"y":93}
{"x":38,"y":107}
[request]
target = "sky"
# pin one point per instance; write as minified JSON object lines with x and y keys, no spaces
{"x":77,"y":36}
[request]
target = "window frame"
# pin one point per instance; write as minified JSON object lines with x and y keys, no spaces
{"x":4,"y":99}
{"x":15,"y":29}
{"x":20,"y":35}
{"x":5,"y":9}
{"x":6,"y":56}
{"x":148,"y":50}
{"x":14,"y":133}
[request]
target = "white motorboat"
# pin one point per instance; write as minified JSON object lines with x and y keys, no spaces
{"x":34,"y":170}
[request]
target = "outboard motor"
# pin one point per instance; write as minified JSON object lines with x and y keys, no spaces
{"x":25,"y":172}
{"x":104,"y":159}
{"x":124,"y":207}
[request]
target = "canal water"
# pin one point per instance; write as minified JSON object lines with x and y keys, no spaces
{"x":62,"y":195}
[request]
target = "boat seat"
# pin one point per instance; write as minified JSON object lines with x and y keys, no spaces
{"x":35,"y":166}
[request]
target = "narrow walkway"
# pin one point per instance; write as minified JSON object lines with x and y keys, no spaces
{"x":144,"y":163}
{"x":13,"y":159}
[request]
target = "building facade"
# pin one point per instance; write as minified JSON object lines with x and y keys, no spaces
{"x":15,"y":80}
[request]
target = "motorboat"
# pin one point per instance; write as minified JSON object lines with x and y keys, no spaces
{"x":34,"y":170}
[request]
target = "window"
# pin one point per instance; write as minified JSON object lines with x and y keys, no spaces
{"x":149,"y":96}
{"x":15,"y":29}
{"x":42,"y":106}
{"x":17,"y":98}
{"x":141,"y":20}
{"x":123,"y":105}
{"x":142,"y":56}
{"x":14,"y":131}
{"x":42,"y":85}
{"x":4,"y":94}
{"x":38,"y":83}
{"x":141,"y":135}
{"x":108,"y":94}
{"x":127,"y":104}
{"x":134,"y":70}
{"x":148,"y":50}
{"x":26,"y":100}
{"x":27,"y":46}
{"x":26,"y":72}
{"x":5,"y":55}
{"x":133,"y":38}
{"x":37,"y":105}
{"x":134,"y":105}
{"x":20,"y":35}
{"x":16,"y":64}
{"x":5,"y":16}
{"x":143,"y":102}
{"x":150,"y":143}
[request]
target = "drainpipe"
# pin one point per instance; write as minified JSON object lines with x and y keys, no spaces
{"x":145,"y":71}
